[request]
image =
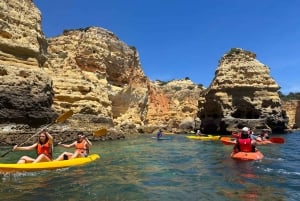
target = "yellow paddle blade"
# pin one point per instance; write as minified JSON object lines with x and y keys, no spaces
{"x":101,"y":132}
{"x":64,"y":116}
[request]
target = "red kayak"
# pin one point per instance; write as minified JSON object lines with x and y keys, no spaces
{"x":247,"y":155}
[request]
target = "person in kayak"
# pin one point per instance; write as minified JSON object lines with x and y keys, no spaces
{"x":43,"y":148}
{"x":159,"y":134}
{"x":245,"y":143}
{"x":82,"y":145}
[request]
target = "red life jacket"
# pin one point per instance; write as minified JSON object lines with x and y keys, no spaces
{"x":82,"y":147}
{"x":245,"y":145}
{"x":44,"y":149}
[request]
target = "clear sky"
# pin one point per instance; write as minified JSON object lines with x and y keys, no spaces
{"x":186,"y":38}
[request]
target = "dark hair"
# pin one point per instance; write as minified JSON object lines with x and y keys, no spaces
{"x":244,"y":135}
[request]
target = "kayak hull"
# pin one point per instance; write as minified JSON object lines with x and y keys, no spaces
{"x":52,"y":165}
{"x":246,"y":156}
{"x":161,"y":138}
{"x":209,"y":137}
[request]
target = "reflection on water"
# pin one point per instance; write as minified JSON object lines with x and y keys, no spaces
{"x":179,"y":169}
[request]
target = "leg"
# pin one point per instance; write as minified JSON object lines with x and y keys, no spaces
{"x":61,"y":156}
{"x":76,"y":154}
{"x":42,"y":158}
{"x":25,"y":159}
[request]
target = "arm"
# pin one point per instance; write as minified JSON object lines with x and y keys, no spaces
{"x":89,"y":143}
{"x":27,"y":148}
{"x":67,"y":145}
{"x":49,"y":137}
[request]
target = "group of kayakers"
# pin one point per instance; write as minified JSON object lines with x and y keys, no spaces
{"x":246,"y":140}
{"x":44,"y":148}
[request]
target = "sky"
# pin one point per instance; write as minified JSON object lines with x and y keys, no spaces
{"x":176,"y":39}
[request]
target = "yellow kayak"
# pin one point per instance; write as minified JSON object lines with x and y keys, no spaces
{"x":209,"y":137}
{"x":29,"y":167}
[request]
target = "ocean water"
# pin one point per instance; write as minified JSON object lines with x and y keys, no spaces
{"x":142,"y":168}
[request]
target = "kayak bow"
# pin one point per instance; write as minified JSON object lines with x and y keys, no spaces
{"x":247,"y":155}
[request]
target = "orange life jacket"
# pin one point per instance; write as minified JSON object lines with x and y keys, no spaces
{"x":44,"y":149}
{"x":82,"y":147}
{"x":245,"y":145}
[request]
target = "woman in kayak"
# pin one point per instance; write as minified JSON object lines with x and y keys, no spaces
{"x":82,"y":145}
{"x":43,"y":149}
{"x":244,"y":143}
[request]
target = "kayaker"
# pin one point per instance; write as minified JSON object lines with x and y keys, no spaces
{"x":159,"y":134}
{"x":264,"y":134}
{"x":43,"y":149}
{"x":82,"y":145}
{"x":244,"y":143}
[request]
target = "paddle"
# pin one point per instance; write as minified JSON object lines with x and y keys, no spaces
{"x":100,"y":132}
{"x":60,"y":119}
{"x":278,"y":140}
{"x":97,"y":133}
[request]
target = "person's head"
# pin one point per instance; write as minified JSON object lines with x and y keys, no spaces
{"x":43,"y":138}
{"x":245,"y":133}
{"x":80,"y":137}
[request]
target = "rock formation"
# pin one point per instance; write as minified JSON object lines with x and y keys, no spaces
{"x":173,"y":105}
{"x":26,"y":93}
{"x":242,"y":93}
{"x":292,"y":109}
{"x":97,"y":76}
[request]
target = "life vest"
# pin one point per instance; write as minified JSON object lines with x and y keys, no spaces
{"x":245,"y":145}
{"x":44,"y":149}
{"x":82,"y":147}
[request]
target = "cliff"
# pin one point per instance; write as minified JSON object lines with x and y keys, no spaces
{"x":242,"y":93}
{"x":26,"y":93}
{"x":292,"y":109}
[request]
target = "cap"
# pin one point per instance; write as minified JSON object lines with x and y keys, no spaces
{"x":246,"y":129}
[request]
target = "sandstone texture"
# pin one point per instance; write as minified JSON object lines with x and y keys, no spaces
{"x":26,"y":94}
{"x":242,"y":93}
{"x":292,"y":109}
{"x":173,"y":105}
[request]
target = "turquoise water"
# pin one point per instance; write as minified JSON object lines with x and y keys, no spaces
{"x":141,"y":168}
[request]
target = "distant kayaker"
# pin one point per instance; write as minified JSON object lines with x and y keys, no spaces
{"x":82,"y":146}
{"x":264,"y":134}
{"x":43,"y":149}
{"x":245,"y":143}
{"x":159,"y":134}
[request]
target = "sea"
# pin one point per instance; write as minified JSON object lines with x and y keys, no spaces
{"x":144,"y":169}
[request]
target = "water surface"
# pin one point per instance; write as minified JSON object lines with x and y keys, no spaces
{"x":141,"y":168}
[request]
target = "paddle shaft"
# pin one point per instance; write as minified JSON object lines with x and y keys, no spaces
{"x":61,"y":118}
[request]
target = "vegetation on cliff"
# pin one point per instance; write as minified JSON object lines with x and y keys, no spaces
{"x":290,"y":96}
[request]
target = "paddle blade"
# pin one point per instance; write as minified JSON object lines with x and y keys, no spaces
{"x":100,"y":132}
{"x":64,"y":116}
{"x":278,"y":140}
{"x":228,"y":140}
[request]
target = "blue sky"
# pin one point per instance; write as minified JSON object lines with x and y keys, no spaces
{"x":186,"y":38}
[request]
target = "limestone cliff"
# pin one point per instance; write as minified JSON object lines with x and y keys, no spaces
{"x":26,"y":93}
{"x":173,"y":105}
{"x":242,"y":93}
{"x":96,"y":75}
{"x":292,"y":109}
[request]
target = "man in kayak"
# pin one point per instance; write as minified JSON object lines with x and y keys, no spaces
{"x":82,"y":145}
{"x":244,"y":143}
{"x":159,"y":134}
{"x":43,"y":149}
